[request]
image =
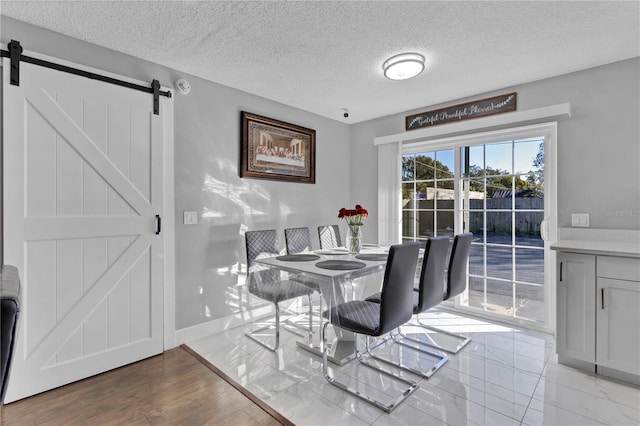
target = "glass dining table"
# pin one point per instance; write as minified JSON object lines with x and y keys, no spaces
{"x":334,"y":271}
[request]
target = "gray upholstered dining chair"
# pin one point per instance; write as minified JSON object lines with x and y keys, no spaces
{"x":267,"y":283}
{"x":329,"y":236}
{"x":456,"y":283}
{"x":297,"y":240}
{"x":375,"y":319}
{"x":429,"y":294}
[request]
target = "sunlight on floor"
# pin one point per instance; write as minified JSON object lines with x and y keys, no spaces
{"x":504,"y":376}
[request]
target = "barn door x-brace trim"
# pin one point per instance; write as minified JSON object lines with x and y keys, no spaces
{"x":15,"y":55}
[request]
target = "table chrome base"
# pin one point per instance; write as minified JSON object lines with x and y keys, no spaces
{"x":341,"y":350}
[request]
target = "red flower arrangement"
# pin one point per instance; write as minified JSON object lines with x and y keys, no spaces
{"x":354,"y":222}
{"x":353,"y":216}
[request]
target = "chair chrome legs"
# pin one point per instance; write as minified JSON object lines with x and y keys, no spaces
{"x":314,"y":310}
{"x":412,"y":386}
{"x":274,"y":347}
{"x":290,"y":324}
{"x":441,"y":358}
{"x":251,"y":334}
{"x":464,"y":340}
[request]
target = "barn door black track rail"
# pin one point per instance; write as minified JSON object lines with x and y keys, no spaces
{"x":15,"y":55}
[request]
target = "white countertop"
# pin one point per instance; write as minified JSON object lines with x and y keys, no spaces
{"x":610,"y":242}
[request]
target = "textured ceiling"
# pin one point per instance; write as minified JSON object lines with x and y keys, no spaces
{"x":323,"y":56}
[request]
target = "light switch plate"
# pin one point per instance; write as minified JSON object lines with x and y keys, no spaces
{"x":580,"y":220}
{"x":190,"y":218}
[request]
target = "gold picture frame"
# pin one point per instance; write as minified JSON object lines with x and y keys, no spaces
{"x":273,"y":149}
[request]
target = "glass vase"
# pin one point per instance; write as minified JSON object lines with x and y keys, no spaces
{"x":354,"y":239}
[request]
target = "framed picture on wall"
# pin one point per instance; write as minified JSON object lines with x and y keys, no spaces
{"x":272,"y":149}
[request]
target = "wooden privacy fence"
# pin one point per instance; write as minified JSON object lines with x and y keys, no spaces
{"x":529,"y":212}
{"x":527,"y":222}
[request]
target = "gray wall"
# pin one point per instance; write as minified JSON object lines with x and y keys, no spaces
{"x":598,"y":146}
{"x":598,"y":162}
{"x":207,"y":137}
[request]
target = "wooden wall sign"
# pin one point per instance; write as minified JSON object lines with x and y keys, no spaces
{"x":474,"y":109}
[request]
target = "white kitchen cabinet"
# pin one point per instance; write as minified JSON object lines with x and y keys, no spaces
{"x":618,"y":314}
{"x":598,"y":301}
{"x":576,"y":316}
{"x":598,"y":314}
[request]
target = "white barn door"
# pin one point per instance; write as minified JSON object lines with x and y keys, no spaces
{"x":82,"y":187}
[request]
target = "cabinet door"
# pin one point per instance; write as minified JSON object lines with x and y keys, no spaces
{"x":576,"y":306}
{"x":618,"y":314}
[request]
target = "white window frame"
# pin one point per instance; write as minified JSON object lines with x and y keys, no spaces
{"x":390,"y":190}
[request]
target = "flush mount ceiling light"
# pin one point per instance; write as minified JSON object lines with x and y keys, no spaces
{"x":403,"y":66}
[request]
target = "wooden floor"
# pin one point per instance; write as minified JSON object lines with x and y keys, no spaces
{"x":174,"y":388}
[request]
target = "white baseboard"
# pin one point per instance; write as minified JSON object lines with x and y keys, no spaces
{"x":199,"y":331}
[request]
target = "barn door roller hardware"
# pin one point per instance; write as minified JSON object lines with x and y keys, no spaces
{"x":155,"y":86}
{"x":15,"y":55}
{"x":15,"y":51}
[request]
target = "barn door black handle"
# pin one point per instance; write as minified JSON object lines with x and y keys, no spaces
{"x":158,"y":224}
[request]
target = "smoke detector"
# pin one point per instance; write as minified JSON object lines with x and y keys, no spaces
{"x":183,"y":86}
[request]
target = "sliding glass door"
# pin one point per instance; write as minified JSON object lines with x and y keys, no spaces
{"x":502,"y":200}
{"x":493,"y":187}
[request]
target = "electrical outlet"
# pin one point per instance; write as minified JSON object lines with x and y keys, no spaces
{"x":580,"y":220}
{"x":190,"y":218}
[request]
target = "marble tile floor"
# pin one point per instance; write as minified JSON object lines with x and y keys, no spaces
{"x":505,"y":376}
